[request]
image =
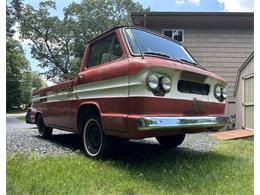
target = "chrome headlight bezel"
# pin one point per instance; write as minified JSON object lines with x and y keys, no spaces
{"x":220,"y":92}
{"x":152,"y":82}
{"x":224,"y":92}
{"x":166,"y":83}
{"x":217,"y":91}
{"x":158,"y":83}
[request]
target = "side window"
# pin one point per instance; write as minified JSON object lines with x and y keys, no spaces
{"x":103,"y":51}
{"x":116,"y":51}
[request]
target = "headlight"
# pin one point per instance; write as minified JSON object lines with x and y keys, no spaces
{"x":166,"y":83}
{"x":220,"y":93}
{"x":152,"y":81}
{"x":217,"y":92}
{"x":224,"y":92}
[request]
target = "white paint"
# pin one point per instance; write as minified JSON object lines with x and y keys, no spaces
{"x":116,"y":87}
{"x":134,"y":86}
{"x":138,"y":86}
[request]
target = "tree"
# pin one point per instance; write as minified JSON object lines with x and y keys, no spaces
{"x":92,"y":17}
{"x":59,"y":43}
{"x":37,"y":81}
{"x":17,"y":75}
{"x":17,"y":69}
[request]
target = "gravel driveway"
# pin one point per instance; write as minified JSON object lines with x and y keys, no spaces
{"x":26,"y":139}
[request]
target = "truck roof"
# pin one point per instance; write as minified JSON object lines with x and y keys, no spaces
{"x":107,"y":31}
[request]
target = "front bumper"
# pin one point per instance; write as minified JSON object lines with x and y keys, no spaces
{"x":187,"y":124}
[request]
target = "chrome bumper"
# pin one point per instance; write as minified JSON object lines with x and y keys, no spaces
{"x":183,"y":123}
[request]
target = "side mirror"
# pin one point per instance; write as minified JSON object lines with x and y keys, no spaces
{"x":79,"y":78}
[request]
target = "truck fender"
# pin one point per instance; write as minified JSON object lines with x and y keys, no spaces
{"x":87,"y":103}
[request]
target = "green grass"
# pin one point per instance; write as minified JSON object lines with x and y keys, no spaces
{"x":22,"y":118}
{"x":140,"y":170}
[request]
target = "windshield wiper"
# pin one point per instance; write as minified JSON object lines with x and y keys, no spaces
{"x":163,"y":55}
{"x":167,"y":56}
{"x":157,"y":53}
{"x":183,"y":60}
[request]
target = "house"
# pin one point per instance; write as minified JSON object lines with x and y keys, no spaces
{"x":222,"y":42}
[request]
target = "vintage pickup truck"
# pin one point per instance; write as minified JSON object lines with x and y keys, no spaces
{"x":133,"y":84}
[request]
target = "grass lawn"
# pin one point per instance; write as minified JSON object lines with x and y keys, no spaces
{"x":22,"y":118}
{"x":142,"y":170}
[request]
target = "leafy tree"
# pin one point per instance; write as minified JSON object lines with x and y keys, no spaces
{"x":59,"y":43}
{"x":26,"y":86}
{"x":92,"y":17}
{"x":10,"y":20}
{"x":37,"y":81}
{"x":17,"y":75}
{"x":17,"y":68}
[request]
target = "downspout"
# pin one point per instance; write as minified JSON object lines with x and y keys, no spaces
{"x":144,"y":20}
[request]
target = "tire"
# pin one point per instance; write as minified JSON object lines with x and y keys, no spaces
{"x":28,"y":117}
{"x":44,"y":131}
{"x":95,"y":142}
{"x":171,"y":141}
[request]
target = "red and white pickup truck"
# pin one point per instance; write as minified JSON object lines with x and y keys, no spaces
{"x":133,"y":84}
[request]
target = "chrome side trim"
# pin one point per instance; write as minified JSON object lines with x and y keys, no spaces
{"x":185,"y":123}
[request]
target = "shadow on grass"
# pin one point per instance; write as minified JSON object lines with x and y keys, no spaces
{"x":131,"y":151}
{"x":180,"y":170}
{"x":183,"y":170}
{"x":70,"y":140}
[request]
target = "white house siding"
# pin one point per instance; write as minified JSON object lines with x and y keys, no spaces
{"x":220,"y":51}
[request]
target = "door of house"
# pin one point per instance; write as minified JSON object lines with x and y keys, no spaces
{"x":248,"y":102}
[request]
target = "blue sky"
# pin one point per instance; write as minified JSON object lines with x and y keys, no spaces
{"x":157,"y":5}
{"x":183,"y":5}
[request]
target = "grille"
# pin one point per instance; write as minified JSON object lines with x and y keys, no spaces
{"x":193,"y":87}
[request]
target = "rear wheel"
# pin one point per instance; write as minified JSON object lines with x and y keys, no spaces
{"x":44,"y":131}
{"x":95,"y":142}
{"x":171,"y":141}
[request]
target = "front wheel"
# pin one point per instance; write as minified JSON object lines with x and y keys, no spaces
{"x":28,"y":117}
{"x":171,"y":141}
{"x":94,"y":140}
{"x":44,"y":131}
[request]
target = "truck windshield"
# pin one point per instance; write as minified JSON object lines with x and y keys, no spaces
{"x":152,"y":44}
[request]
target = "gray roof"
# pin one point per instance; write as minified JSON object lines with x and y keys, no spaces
{"x":240,"y":70}
{"x":193,"y":13}
{"x":196,"y":19}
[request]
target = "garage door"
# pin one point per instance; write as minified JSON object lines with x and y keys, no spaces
{"x":249,"y":102}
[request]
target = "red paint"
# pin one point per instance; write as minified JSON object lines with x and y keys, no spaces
{"x":63,"y":85}
{"x":137,"y":64}
{"x":175,"y":107}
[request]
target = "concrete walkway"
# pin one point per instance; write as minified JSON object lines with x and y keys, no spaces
{"x":234,"y":134}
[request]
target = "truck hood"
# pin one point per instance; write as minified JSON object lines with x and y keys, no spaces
{"x":138,"y":64}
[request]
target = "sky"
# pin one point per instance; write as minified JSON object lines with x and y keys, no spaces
{"x":156,"y":5}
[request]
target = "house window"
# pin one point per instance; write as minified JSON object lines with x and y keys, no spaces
{"x":176,"y":34}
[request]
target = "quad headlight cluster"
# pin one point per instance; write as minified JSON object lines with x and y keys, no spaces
{"x":220,"y":92}
{"x":159,"y":84}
